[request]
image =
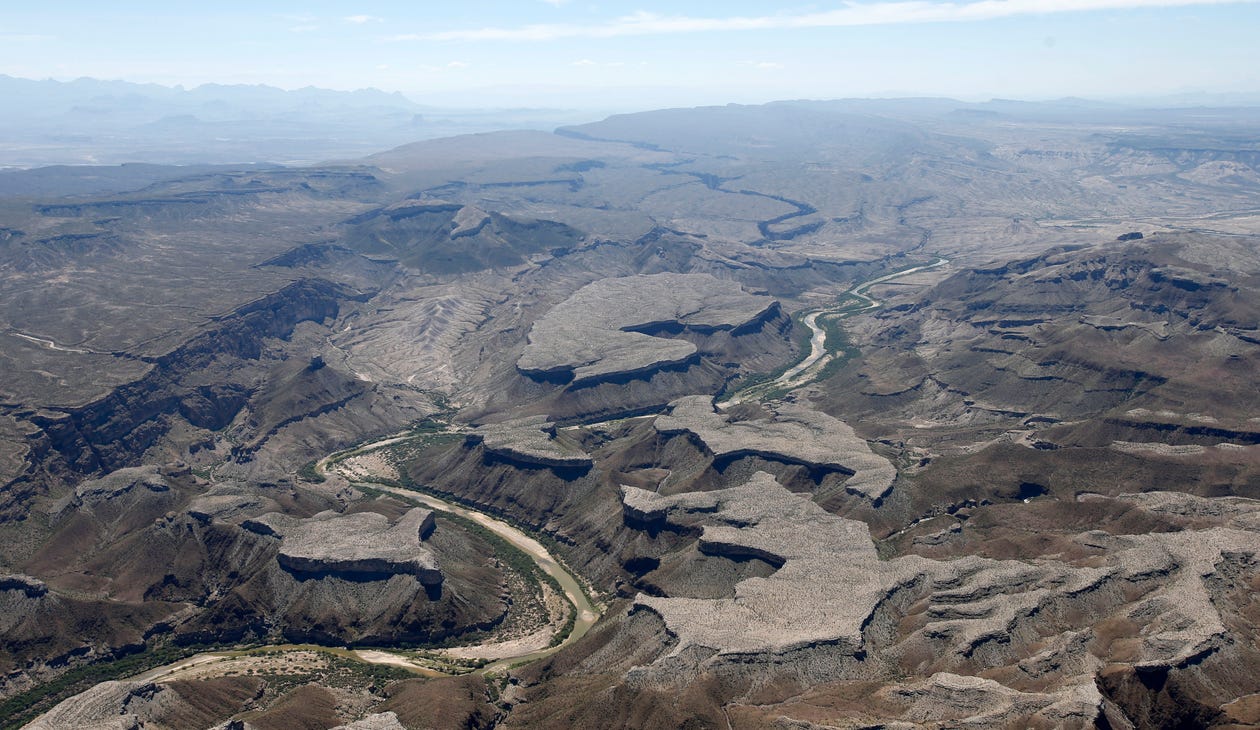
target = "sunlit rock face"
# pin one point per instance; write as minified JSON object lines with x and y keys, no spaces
{"x":607,"y":328}
{"x":360,"y":543}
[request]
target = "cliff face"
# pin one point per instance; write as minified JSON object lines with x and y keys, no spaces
{"x":202,"y":384}
{"x":1019,"y":493}
{"x":442,"y":239}
{"x":1125,"y":626}
{"x":155,"y":554}
{"x":361,"y":544}
{"x":629,"y":344}
{"x":609,"y":329}
{"x":1072,"y":334}
{"x":578,"y":499}
{"x":114,"y":431}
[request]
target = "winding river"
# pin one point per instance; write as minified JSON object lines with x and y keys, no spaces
{"x":585,"y":613}
{"x":802,"y":372}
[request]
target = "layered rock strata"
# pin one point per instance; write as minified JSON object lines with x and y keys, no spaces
{"x":135,"y":705}
{"x":795,"y":434}
{"x":103,"y":707}
{"x":363,"y":543}
{"x":834,"y":610}
{"x":828,"y":583}
{"x":531,"y":440}
{"x":608,"y":328}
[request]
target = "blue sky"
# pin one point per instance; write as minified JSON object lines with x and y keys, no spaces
{"x":645,"y":54}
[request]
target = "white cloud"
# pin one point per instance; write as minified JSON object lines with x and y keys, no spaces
{"x":850,"y":14}
{"x":361,"y":19}
{"x":584,"y":62}
{"x":767,"y":65}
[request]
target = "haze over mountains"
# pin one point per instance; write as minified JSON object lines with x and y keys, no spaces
{"x":90,"y":121}
{"x":865,"y":413}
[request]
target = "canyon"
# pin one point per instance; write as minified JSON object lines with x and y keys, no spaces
{"x":869,"y":413}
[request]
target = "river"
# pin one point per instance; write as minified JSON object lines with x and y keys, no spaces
{"x":585,"y":613}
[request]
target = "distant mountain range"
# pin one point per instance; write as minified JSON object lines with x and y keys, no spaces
{"x":91,"y":121}
{"x":38,"y":98}
{"x":98,"y":122}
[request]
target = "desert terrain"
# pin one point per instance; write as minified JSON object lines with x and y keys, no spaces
{"x":883,"y":413}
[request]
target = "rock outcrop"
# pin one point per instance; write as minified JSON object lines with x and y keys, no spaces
{"x":795,"y":434}
{"x":136,"y":705}
{"x":953,"y":700}
{"x":828,"y":585}
{"x":28,"y":586}
{"x":103,"y":707}
{"x":225,"y":502}
{"x":112,"y":431}
{"x":833,"y":610}
{"x":437,"y":237}
{"x":114,"y":485}
{"x":607,"y":328}
{"x":362,"y":543}
{"x":377,"y":721}
{"x":531,"y":440}
{"x":468,"y":221}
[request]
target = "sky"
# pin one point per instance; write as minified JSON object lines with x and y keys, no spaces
{"x":638,"y":55}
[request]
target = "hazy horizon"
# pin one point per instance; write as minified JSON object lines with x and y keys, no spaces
{"x":620,"y":57}
{"x":605,"y":101}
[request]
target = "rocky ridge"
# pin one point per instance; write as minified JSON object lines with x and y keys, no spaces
{"x":793,"y":433}
{"x":607,"y":328}
{"x":833,"y":610}
{"x":531,"y":440}
{"x":359,"y":543}
{"x":138,"y":704}
{"x":1013,"y":394}
{"x":104,"y":707}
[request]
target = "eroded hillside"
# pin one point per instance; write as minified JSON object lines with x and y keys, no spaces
{"x":843,"y":414}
